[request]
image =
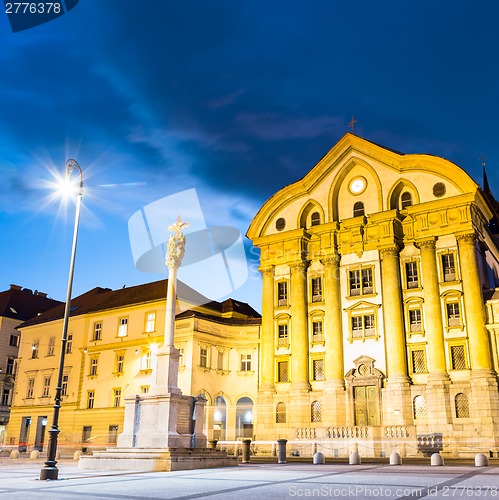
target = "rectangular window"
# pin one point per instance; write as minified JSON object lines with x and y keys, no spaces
{"x":147,"y":361}
{"x":90,"y":399}
{"x":97,"y":333}
{"x":181,"y":360}
{"x":122,"y":327}
{"x":86,"y":434}
{"x":318,"y":366}
{"x":14,"y":340}
{"x":113,"y":434}
{"x":35,"y":347}
{"x":116,"y":398}
{"x":448,"y":267}
{"x":418,"y":361}
{"x":361,"y":281}
{"x":203,"y":357}
{"x":220,"y":360}
{"x":69,"y":343}
{"x":282,"y":332}
{"x":6,"y":397}
{"x":357,"y":330}
{"x":453,"y":314}
{"x":367,"y":281}
{"x":363,"y":326}
{"x":282,"y":371}
{"x":458,"y":357}
{"x":46,"y":387}
{"x":9,"y":369}
{"x":282,"y":293}
{"x":354,"y":280}
{"x":316,"y":289}
{"x":245,"y":362}
{"x":369,"y":330}
{"x":317,"y":331}
{"x":150,"y":322}
{"x":93,"y":367}
{"x":64,"y":387}
{"x":411,"y":273}
{"x":51,"y":346}
{"x":415,"y":320}
{"x":144,"y":389}
{"x":31,"y":388}
{"x":120,"y":363}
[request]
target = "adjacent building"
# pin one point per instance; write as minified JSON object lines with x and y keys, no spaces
{"x":376,"y":268}
{"x":112,"y":338}
{"x":16,"y":306}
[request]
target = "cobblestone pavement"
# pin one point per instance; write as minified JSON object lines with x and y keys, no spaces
{"x":19,"y":479}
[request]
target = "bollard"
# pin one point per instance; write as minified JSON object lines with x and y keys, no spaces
{"x":213,"y":444}
{"x":57,"y":455}
{"x":395,"y":459}
{"x":236,"y":449}
{"x":481,"y":460}
{"x":436,"y":459}
{"x":246,"y":451}
{"x":77,"y":454}
{"x":319,"y":458}
{"x":274,"y":450}
{"x":354,"y":458}
{"x":14,"y":454}
{"x":281,"y":452}
{"x":35,"y":454}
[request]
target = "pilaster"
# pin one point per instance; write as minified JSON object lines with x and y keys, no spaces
{"x":268,"y":335}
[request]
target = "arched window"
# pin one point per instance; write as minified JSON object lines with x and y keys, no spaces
{"x":219,"y":418}
{"x":315,"y":412}
{"x":358,"y":209}
{"x":462,"y":406}
{"x":280,"y":413}
{"x":244,"y":417}
{"x":419,"y":407}
{"x":405,"y":200}
{"x":315,"y":219}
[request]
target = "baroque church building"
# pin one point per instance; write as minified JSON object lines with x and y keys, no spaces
{"x":379,"y":307}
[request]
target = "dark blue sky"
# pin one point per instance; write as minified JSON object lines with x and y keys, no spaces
{"x":234,"y":98}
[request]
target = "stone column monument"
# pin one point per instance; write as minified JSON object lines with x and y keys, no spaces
{"x":162,"y":430}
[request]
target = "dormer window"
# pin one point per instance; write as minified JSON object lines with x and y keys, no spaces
{"x":358,"y":209}
{"x":405,"y":200}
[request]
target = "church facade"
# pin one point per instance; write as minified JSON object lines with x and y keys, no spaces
{"x":375,"y":336}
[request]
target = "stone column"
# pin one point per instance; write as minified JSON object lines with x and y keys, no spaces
{"x":479,"y":342}
{"x":268,"y":334}
{"x":397,"y":400}
{"x":299,"y":328}
{"x":266,"y":413}
{"x":434,"y":329}
{"x":437,"y":389}
{"x":484,"y":403}
{"x":334,"y":386}
{"x":393,"y":315}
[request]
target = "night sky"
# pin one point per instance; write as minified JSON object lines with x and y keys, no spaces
{"x":234,"y":98}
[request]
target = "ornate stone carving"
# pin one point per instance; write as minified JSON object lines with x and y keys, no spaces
{"x":468,"y":238}
{"x":267,"y":271}
{"x":389,"y":252}
{"x":428,"y":244}
{"x":176,"y":245}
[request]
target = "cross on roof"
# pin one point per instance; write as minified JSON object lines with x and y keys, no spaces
{"x":352,"y":123}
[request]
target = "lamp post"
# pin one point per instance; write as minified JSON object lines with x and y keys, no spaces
{"x":50,"y":471}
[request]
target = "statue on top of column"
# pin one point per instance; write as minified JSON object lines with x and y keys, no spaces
{"x":176,"y":245}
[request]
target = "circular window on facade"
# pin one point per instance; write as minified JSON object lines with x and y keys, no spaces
{"x":280,"y":224}
{"x":358,"y":185}
{"x":439,"y":189}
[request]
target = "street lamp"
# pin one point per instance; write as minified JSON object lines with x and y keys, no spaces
{"x":50,"y":471}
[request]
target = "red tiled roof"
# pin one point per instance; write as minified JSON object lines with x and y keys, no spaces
{"x":22,"y":304}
